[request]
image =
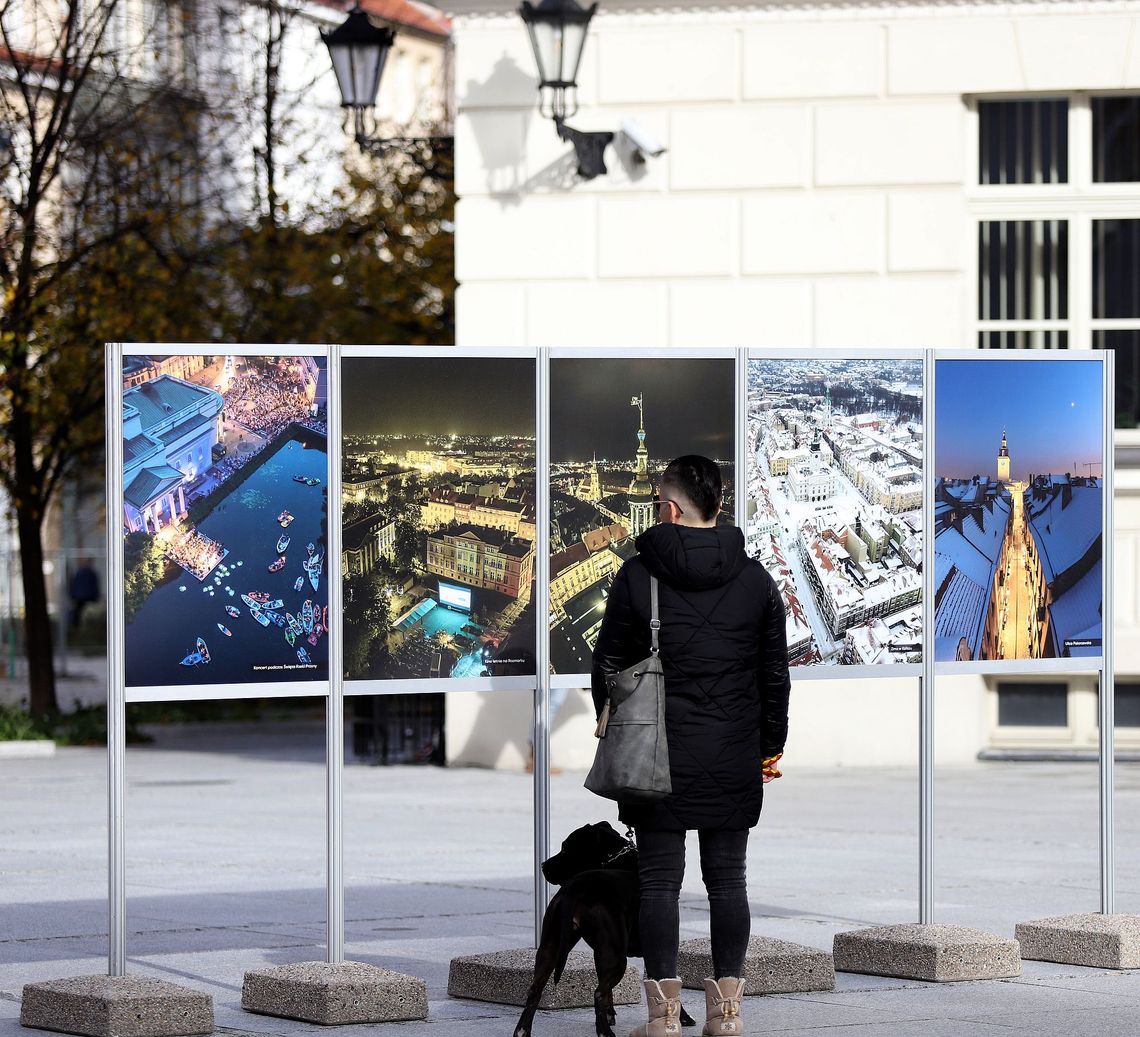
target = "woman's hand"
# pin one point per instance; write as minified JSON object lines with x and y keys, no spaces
{"x":768,"y":770}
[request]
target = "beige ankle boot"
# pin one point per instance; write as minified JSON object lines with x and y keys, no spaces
{"x":722,"y":1007}
{"x":663,"y":996}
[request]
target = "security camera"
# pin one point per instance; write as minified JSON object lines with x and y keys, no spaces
{"x":643,"y":144}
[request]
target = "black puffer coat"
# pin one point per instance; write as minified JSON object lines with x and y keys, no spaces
{"x":724,"y":651}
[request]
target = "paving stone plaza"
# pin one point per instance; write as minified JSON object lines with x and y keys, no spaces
{"x":225,"y":850}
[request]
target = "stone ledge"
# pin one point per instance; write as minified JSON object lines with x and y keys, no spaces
{"x":934,"y":953}
{"x":116,"y":1006}
{"x":332,"y":995}
{"x":771,"y":966}
{"x":1096,"y":940}
{"x":504,"y":977}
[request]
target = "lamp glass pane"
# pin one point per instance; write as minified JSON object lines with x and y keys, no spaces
{"x":342,"y":67}
{"x":545,"y":50}
{"x":573,"y":44}
{"x":367,"y":62}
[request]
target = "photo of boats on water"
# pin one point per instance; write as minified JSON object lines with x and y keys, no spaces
{"x":225,"y":510}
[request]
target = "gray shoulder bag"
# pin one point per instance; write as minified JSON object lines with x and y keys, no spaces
{"x":632,"y":761}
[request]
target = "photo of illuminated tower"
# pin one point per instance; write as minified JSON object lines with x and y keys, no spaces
{"x":601,"y":492}
{"x":640,"y":488}
{"x":1003,"y":460}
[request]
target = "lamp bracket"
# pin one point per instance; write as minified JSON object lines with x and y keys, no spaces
{"x":589,"y":148}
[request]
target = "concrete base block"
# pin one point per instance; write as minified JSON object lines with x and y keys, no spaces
{"x":505,"y":976}
{"x":1099,"y":941}
{"x":935,"y":953}
{"x":116,"y":1006}
{"x":771,"y":967}
{"x":349,"y":992}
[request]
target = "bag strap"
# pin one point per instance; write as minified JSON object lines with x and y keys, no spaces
{"x":654,"y":619}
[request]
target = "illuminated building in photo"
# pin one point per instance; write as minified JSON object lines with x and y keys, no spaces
{"x":490,"y":559}
{"x":367,"y":541}
{"x":140,"y":369}
{"x":170,"y":427}
{"x":641,"y":515}
{"x":597,"y":556}
{"x":1003,"y":460}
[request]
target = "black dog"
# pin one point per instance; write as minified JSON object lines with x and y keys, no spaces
{"x":599,"y":903}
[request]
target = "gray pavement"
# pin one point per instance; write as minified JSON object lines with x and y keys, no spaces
{"x":225,"y":846}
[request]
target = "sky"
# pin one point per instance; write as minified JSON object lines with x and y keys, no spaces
{"x":689,"y":407}
{"x":473,"y":396}
{"x":1050,"y":409}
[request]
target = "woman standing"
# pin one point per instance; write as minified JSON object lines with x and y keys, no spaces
{"x":724,"y":652}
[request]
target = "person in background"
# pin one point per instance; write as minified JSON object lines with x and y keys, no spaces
{"x":724,"y":653}
{"x":83,"y":589}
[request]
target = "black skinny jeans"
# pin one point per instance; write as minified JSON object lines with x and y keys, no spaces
{"x":661,"y":865}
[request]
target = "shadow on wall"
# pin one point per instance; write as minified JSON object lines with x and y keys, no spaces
{"x":504,"y":155}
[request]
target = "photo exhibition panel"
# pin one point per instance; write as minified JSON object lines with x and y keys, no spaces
{"x":615,"y":423}
{"x":225,"y":482}
{"x":1018,"y":508}
{"x":438,"y":510}
{"x":834,"y":463}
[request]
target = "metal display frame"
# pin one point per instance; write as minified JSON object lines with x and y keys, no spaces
{"x":1101,"y":665}
{"x":336,"y":688}
{"x":119,"y":695}
{"x":440,"y":685}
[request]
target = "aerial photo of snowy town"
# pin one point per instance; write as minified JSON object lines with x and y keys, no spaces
{"x":834,"y":505}
{"x":1017,"y":509}
{"x":614,"y":426}
{"x":225,"y":475}
{"x":439,"y":519}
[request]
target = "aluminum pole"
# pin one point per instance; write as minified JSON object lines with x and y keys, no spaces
{"x":540,"y":734}
{"x":1106,"y":698}
{"x":116,"y":675}
{"x":926,"y":681}
{"x":334,"y":709}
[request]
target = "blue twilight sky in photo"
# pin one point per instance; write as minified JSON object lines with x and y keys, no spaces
{"x":1050,"y":409}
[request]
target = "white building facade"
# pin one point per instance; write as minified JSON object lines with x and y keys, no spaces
{"x":858,"y":175}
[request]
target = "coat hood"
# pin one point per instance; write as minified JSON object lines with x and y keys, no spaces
{"x":693,"y":557}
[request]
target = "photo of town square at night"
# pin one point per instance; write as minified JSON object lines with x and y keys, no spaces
{"x":614,"y":426}
{"x":1018,"y":509}
{"x":834,"y":504}
{"x":225,"y":476}
{"x":439,"y":517}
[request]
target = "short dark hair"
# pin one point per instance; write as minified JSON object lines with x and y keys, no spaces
{"x":698,"y":479}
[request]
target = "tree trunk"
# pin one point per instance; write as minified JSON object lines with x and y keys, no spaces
{"x":37,"y":621}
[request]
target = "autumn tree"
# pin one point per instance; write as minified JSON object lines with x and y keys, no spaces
{"x":140,"y":201}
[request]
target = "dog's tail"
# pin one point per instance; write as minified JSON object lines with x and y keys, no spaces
{"x":567,"y":937}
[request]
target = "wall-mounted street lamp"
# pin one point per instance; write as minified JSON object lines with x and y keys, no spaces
{"x":359,"y":50}
{"x":557,"y":31}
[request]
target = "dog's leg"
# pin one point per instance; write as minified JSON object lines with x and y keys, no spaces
{"x":545,"y":961}
{"x":611,"y":965}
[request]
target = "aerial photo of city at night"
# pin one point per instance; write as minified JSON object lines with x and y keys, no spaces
{"x":1017,"y":509}
{"x":834,"y":505}
{"x":225,"y":476}
{"x":614,"y":426}
{"x":439,"y":517}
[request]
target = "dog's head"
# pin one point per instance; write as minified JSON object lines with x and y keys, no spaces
{"x":583,"y":849}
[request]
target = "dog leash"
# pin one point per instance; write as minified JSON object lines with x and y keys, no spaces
{"x":630,"y":847}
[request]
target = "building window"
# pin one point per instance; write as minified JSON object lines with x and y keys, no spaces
{"x":1032,"y":704}
{"x":1057,"y":206}
{"x":1126,"y":699}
